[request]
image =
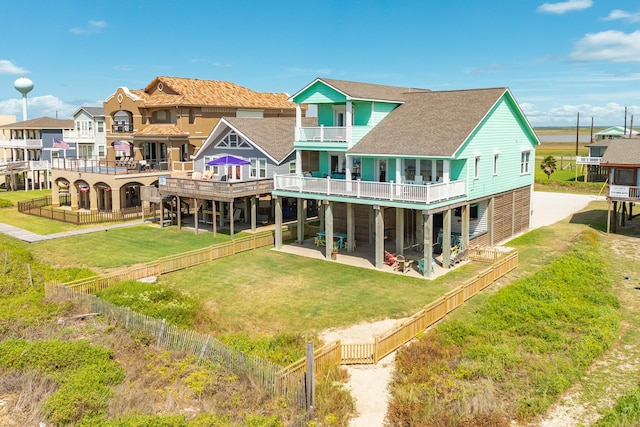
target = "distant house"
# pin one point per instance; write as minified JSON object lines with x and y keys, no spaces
{"x":152,"y":133}
{"x":29,"y":149}
{"x":411,"y":167}
{"x":235,"y":189}
{"x":89,"y":133}
{"x":594,"y":171}
{"x":622,"y":160}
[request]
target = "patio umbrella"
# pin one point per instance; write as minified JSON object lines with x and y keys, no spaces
{"x":228,"y":161}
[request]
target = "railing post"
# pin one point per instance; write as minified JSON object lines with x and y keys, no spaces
{"x":358,"y":189}
{"x":391,"y":188}
{"x":328,"y":185}
{"x":161,"y":332}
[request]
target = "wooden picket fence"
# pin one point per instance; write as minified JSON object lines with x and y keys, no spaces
{"x":172,"y":263}
{"x":388,"y":342}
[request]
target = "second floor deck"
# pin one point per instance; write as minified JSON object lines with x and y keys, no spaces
{"x":593,"y":161}
{"x":427,"y":193}
{"x":624,"y":193}
{"x":21,"y":143}
{"x":213,"y":190}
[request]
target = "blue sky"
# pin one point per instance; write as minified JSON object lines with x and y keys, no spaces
{"x":557,"y":57}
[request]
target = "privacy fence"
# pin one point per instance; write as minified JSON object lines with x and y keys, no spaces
{"x":288,"y":382}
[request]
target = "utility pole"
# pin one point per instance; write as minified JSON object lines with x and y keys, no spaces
{"x":577,"y":132}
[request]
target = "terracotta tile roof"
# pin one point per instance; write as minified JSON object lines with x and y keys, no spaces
{"x":183,"y":91}
{"x":274,"y":135}
{"x":430,"y":123}
{"x":357,"y":90}
{"x":41,"y":123}
{"x":161,"y":130}
{"x":623,"y":151}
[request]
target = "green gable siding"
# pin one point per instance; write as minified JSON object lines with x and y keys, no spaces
{"x":325,"y":115}
{"x":380,"y":111}
{"x":362,"y":114}
{"x":501,"y":133}
{"x":319,"y":93}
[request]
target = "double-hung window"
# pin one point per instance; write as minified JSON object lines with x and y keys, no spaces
{"x":525,"y":160}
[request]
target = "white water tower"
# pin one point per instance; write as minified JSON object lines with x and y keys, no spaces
{"x":24,"y":86}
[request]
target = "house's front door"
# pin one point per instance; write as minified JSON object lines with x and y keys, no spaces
{"x":382,"y":170}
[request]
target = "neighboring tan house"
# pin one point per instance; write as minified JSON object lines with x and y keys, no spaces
{"x":411,"y":167}
{"x":258,"y":149}
{"x":29,"y":149}
{"x":153,"y":132}
{"x":622,"y":160}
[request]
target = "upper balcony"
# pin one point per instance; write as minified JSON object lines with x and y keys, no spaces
{"x":329,"y":137}
{"x":323,"y":134}
{"x":624,"y":193}
{"x":21,"y":143}
{"x":103,"y":167}
{"x":122,"y":128}
{"x":593,"y":161}
{"x":74,"y":135}
{"x":213,"y":189}
{"x":426,"y":193}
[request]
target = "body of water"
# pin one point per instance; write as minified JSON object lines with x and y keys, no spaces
{"x":582,"y":139}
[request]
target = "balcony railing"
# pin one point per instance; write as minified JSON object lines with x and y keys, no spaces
{"x":125,"y":128}
{"x":323,"y":134}
{"x":119,"y":167}
{"x":412,"y":193}
{"x":624,"y":192}
{"x":219,"y":189}
{"x":581,"y":160}
{"x":20,"y":143}
{"x":75,"y":134}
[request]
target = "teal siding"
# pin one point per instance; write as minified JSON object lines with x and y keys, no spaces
{"x":368,"y":169}
{"x":362,"y":114}
{"x":319,"y":93}
{"x":325,"y":115}
{"x":380,"y":111}
{"x":503,"y":134}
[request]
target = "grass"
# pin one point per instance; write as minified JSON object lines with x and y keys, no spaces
{"x":123,"y":246}
{"x":513,"y":356}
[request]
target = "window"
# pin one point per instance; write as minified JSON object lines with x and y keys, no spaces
{"x":525,"y":157}
{"x":100,"y":126}
{"x":292,"y":166}
{"x":258,"y":168}
{"x":473,"y":212}
{"x":476,"y":171}
{"x":192,"y":116}
{"x":624,"y":176}
{"x":495,"y":164}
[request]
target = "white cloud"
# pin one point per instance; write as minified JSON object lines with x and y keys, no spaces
{"x":565,"y":6}
{"x":623,"y":15}
{"x":8,"y":67}
{"x":91,"y":28}
{"x":612,"y":45}
{"x":38,"y":106}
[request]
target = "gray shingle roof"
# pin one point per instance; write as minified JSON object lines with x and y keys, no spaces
{"x":41,"y":123}
{"x":429,"y":123}
{"x":94,"y":111}
{"x":357,"y":90}
{"x":274,"y":135}
{"x":622,"y":152}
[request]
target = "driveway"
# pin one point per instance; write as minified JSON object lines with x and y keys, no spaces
{"x":549,"y":208}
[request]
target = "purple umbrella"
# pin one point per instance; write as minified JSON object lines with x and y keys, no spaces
{"x":228,"y":161}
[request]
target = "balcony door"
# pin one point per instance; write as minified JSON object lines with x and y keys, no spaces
{"x":381,"y":168}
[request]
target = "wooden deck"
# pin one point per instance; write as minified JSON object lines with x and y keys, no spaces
{"x":225,"y":191}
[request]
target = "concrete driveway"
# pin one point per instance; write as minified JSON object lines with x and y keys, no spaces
{"x":549,"y":208}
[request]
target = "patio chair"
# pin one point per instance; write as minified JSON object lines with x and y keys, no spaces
{"x":421,"y":265}
{"x":403,"y":264}
{"x":390,"y":259}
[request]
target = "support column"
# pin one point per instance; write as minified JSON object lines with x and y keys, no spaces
{"x":351,"y":228}
{"x":490,"y":218}
{"x":465,"y":227}
{"x":378,"y":212}
{"x":214,"y":223}
{"x":420,"y":236}
{"x":231,"y":215}
{"x":302,"y":218}
{"x":93,"y":199}
{"x":115,"y":198}
{"x":400,"y":230}
{"x":179,"y":212}
{"x":73,"y":190}
{"x":372,"y":227}
{"x":446,"y":239}
{"x":55,"y":195}
{"x":196,"y":208}
{"x":328,"y":228}
{"x":608,"y":216}
{"x":427,"y":243}
{"x":254,"y":213}
{"x":278,"y":215}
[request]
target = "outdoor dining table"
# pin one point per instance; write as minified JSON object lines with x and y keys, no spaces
{"x":340,"y":236}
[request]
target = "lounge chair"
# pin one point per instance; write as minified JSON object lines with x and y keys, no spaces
{"x":390,"y":259}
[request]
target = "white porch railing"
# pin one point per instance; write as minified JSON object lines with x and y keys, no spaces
{"x":624,"y":192}
{"x":39,"y":165}
{"x":20,"y":143}
{"x":413,"y":193}
{"x":73,"y":134}
{"x":324,"y":134}
{"x":581,"y":160}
